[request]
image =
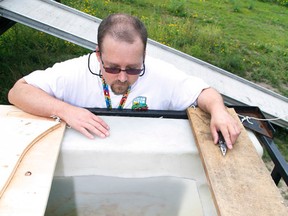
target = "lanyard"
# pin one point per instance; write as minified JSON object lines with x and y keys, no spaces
{"x":108,"y":99}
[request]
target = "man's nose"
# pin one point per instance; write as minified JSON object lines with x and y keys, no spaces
{"x":122,"y":76}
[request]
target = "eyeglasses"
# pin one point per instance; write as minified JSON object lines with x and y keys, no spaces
{"x":130,"y":71}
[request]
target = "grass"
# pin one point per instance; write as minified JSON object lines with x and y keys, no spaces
{"x":247,"y":38}
{"x":24,"y":50}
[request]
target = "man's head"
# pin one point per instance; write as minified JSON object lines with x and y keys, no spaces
{"x":122,"y":27}
{"x":121,"y":45}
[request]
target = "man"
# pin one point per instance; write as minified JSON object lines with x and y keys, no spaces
{"x":117,"y":75}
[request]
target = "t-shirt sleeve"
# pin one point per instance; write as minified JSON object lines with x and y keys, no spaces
{"x":55,"y":80}
{"x":186,"y":90}
{"x":176,"y":89}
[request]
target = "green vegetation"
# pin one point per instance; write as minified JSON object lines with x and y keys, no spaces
{"x":24,"y":50}
{"x":247,"y":38}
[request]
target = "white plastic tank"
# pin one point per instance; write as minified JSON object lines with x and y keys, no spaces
{"x":147,"y":166}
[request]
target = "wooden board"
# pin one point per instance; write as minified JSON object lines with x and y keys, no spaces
{"x":239,"y":182}
{"x":29,"y":150}
{"x":17,"y":136}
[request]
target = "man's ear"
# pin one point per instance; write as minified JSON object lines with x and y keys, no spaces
{"x":144,"y":56}
{"x":97,"y":51}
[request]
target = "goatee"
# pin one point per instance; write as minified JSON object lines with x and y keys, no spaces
{"x":119,"y":88}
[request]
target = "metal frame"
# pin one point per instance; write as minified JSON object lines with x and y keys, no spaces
{"x":281,"y":167}
{"x":134,"y":113}
{"x":5,"y":24}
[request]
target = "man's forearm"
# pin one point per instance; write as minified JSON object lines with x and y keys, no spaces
{"x":210,"y":101}
{"x":34,"y":100}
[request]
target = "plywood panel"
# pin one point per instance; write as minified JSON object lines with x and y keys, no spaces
{"x":239,"y":182}
{"x":29,"y":151}
{"x":17,"y":136}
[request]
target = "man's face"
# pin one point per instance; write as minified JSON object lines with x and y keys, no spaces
{"x":122,"y":55}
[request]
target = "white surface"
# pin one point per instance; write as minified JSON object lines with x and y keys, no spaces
{"x":136,"y":148}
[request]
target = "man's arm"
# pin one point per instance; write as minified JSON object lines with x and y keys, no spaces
{"x":211,"y":101}
{"x":37,"y":102}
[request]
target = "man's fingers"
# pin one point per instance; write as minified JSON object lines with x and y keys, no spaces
{"x":86,"y":122}
{"x":89,"y":129}
{"x":227,"y":138}
{"x":215,"y":135}
{"x":98,"y":128}
{"x":234,"y":132}
{"x":230,"y":135}
{"x":101,"y":122}
{"x":85,"y":132}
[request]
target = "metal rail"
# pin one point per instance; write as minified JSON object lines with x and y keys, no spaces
{"x":53,"y":18}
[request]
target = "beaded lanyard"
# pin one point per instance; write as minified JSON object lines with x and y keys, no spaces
{"x":108,"y":99}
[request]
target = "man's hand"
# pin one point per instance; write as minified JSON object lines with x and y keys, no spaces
{"x":211,"y":101}
{"x":86,"y":122}
{"x":37,"y":102}
{"x":229,"y":127}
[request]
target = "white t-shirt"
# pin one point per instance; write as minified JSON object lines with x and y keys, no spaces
{"x":163,"y":87}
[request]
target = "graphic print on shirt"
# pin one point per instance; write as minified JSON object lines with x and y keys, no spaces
{"x":139,"y":103}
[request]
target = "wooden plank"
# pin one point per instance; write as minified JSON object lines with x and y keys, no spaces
{"x":239,"y":182}
{"x":18,"y":135}
{"x":27,"y":159}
